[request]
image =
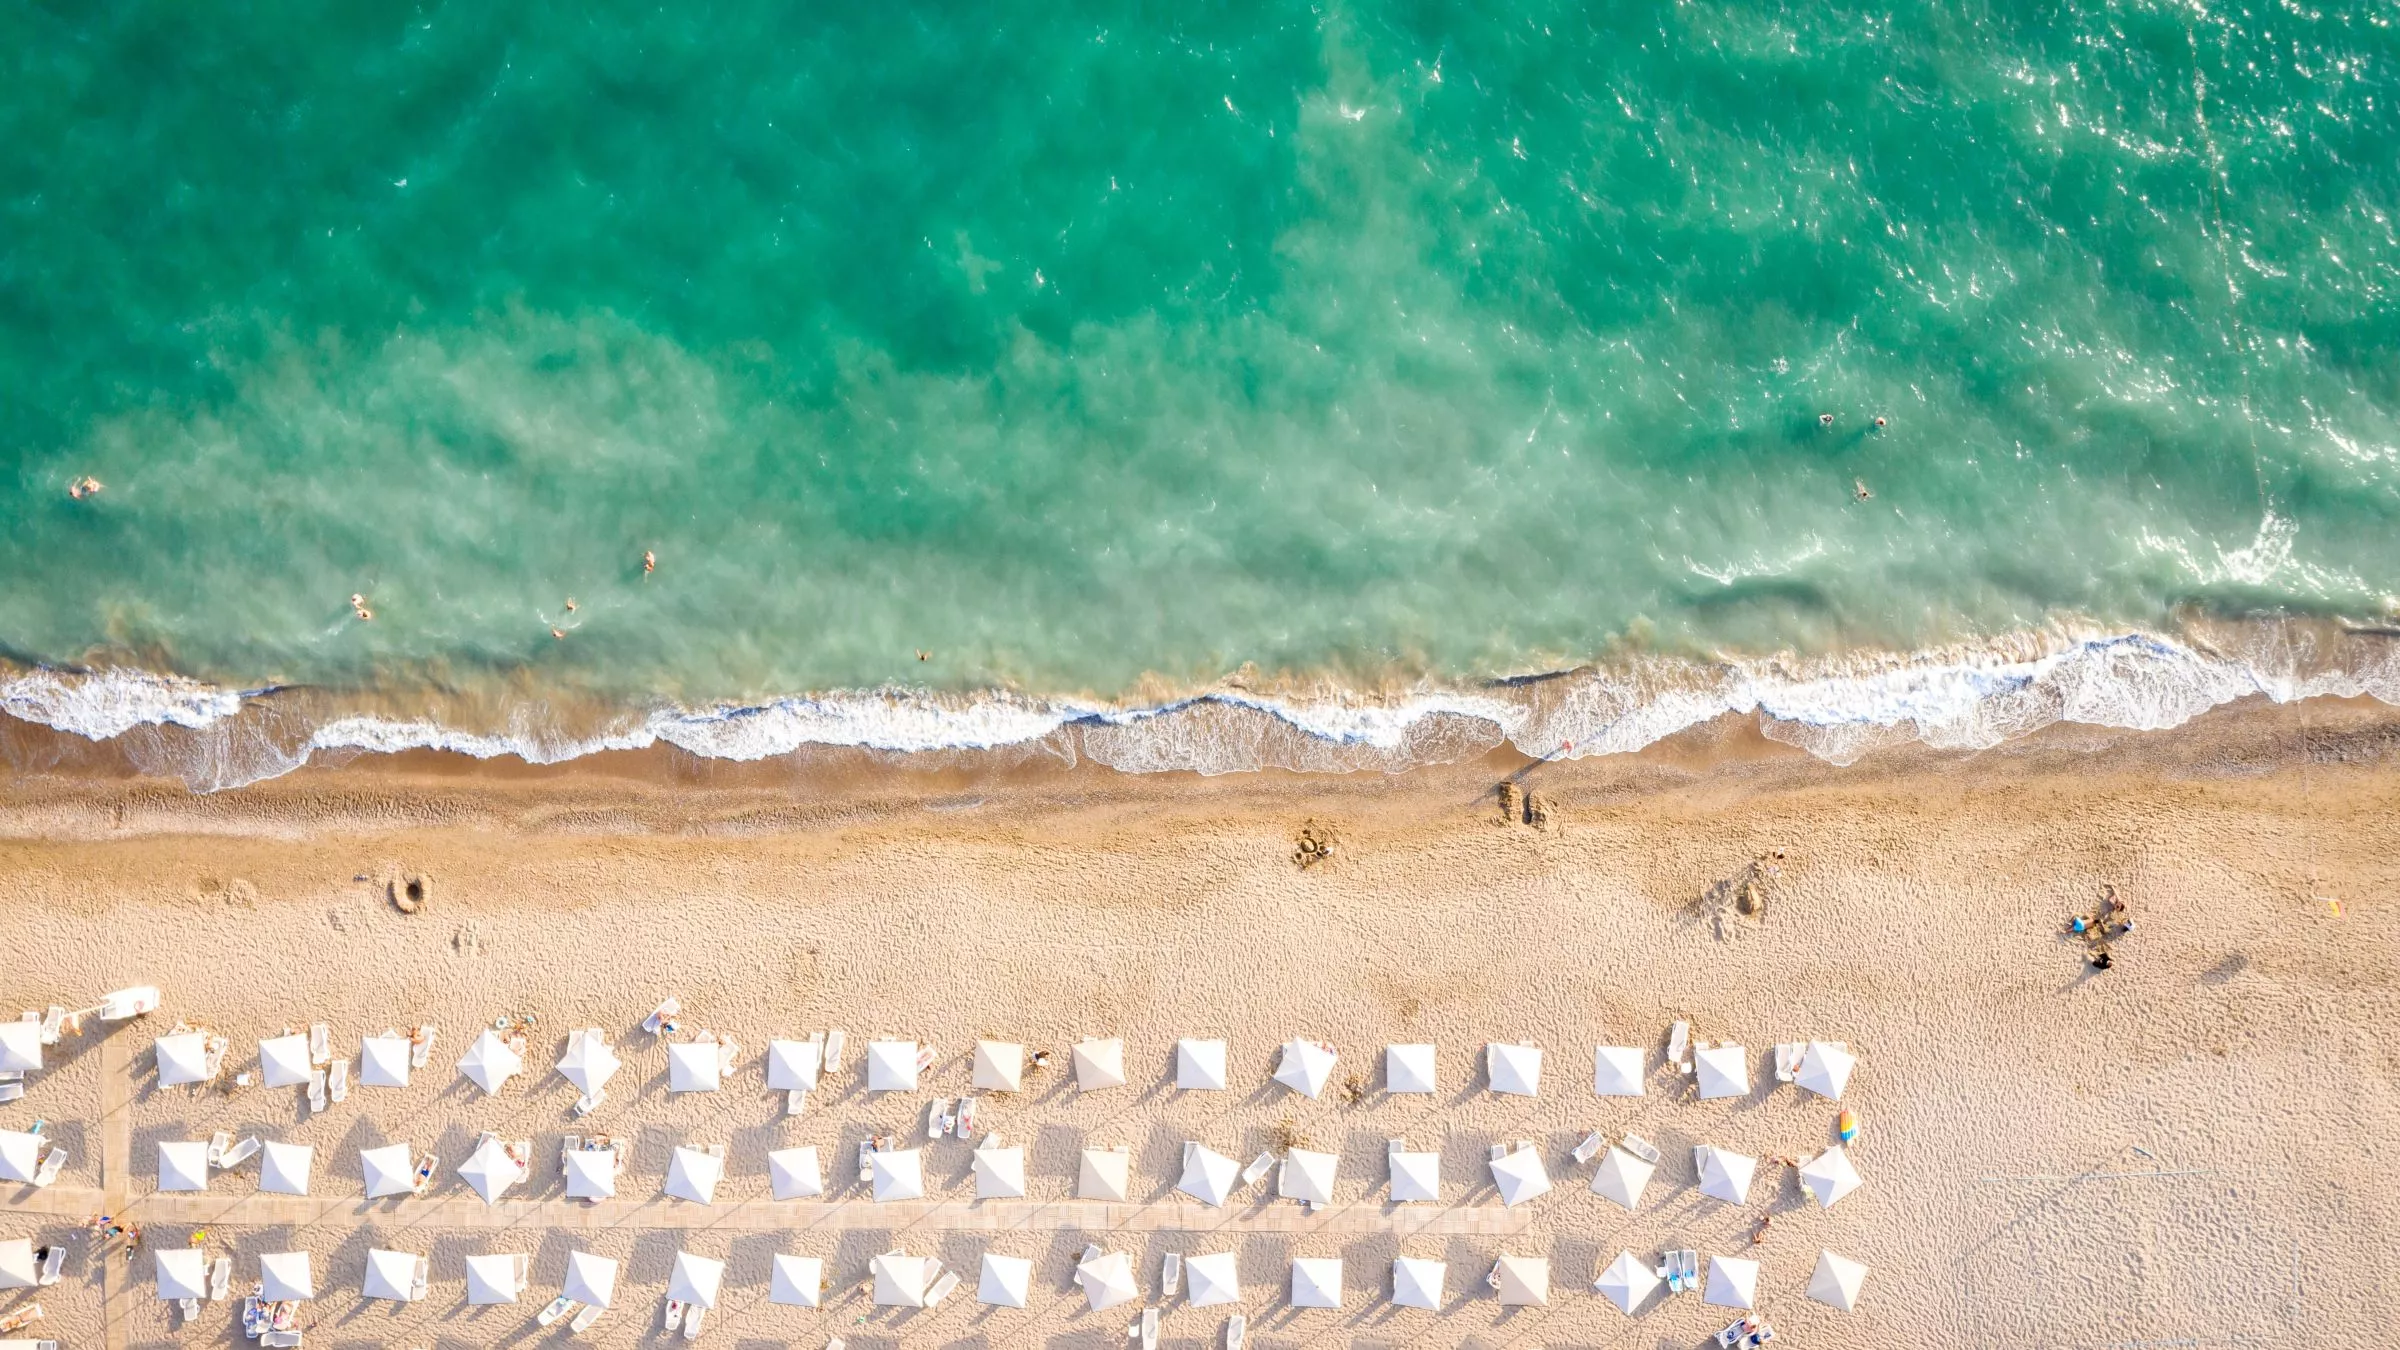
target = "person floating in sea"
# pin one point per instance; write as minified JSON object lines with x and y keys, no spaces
{"x":570,"y":604}
{"x":1879,"y":424}
{"x":649,"y":563}
{"x":559,"y":633}
{"x":1824,"y":419}
{"x":86,"y":486}
{"x":358,"y":605}
{"x":924,"y":655}
{"x":1858,"y":489}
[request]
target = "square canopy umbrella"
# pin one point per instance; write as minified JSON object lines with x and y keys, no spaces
{"x":1208,"y":1175}
{"x":891,"y":1066}
{"x":695,"y":1279}
{"x":1006,"y":1281}
{"x":1099,"y":1064}
{"x":1306,"y":1066}
{"x":1417,"y":1283}
{"x":1836,"y":1281}
{"x":284,"y":1277}
{"x":900,"y":1280}
{"x":1732,"y":1282}
{"x":1616,"y":1071}
{"x":589,"y":1062}
{"x":999,"y":1172}
{"x":492,"y":1279}
{"x":693,"y":1175}
{"x":283,"y":1061}
{"x":1626,"y":1282}
{"x":490,"y":1170}
{"x":1723,"y":1070}
{"x":383,"y":1061}
{"x":1200,"y":1065}
{"x":1829,"y":1176}
{"x":793,"y":1173}
{"x":1408,"y":1068}
{"x":591,"y":1173}
{"x":182,"y":1273}
{"x":1520,"y":1176}
{"x":182,"y":1058}
{"x":1825,"y":1068}
{"x":1215,"y":1278}
{"x":1306,"y":1175}
{"x":283,"y":1168}
{"x":1104,"y":1174}
{"x":897,"y":1174}
{"x":797,"y":1281}
{"x":20,"y":1047}
{"x":792,"y":1066}
{"x":590,"y":1279}
{"x":999,"y":1067}
{"x":1316,"y":1281}
{"x":390,"y":1275}
{"x":21,"y":1156}
{"x":386,"y":1171}
{"x":1107,"y":1280}
{"x":1621,"y":1177}
{"x":182,"y":1165}
{"x":17,"y":1268}
{"x":1416,"y":1177}
{"x":1515,"y":1070}
{"x":489,"y":1062}
{"x":1724,"y":1175}
{"x":692,"y":1067}
{"x":1524,"y":1280}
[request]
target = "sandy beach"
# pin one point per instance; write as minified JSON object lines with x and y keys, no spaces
{"x":2190,"y":1148}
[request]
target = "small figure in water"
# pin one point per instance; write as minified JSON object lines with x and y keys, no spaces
{"x":1858,"y":489}
{"x":1824,"y":419}
{"x":358,"y":605}
{"x":86,"y":486}
{"x":1879,"y":424}
{"x":560,"y":634}
{"x":924,"y":655}
{"x":649,"y":563}
{"x":570,"y":604}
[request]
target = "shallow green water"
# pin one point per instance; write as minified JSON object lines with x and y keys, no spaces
{"x":1074,"y":344}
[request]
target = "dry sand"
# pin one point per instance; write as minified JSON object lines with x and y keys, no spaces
{"x":2190,"y":1149}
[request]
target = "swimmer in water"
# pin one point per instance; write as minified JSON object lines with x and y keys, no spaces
{"x":649,"y":563}
{"x":559,"y":634}
{"x":358,"y":604}
{"x":1879,"y":424}
{"x":1858,"y":489}
{"x":570,"y":604}
{"x":86,"y":486}
{"x":1824,"y":419}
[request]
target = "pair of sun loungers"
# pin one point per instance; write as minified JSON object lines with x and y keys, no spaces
{"x":941,"y":1120}
{"x":1680,"y":1269}
{"x":687,"y":1316}
{"x":585,"y":1314}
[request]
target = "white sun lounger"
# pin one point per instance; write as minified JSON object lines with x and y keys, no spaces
{"x":1590,"y":1147}
{"x":692,"y":1321}
{"x":281,"y":1340}
{"x":220,"y":1279}
{"x":795,"y":1101}
{"x":1679,"y":1040}
{"x":217,"y":1144}
{"x":662,"y":1017}
{"x":420,"y":1045}
{"x":1787,"y":1059}
{"x":1149,"y":1329}
{"x":964,"y":1124}
{"x":583,"y":1320}
{"x":240,"y":1153}
{"x":559,"y":1307}
{"x":1170,"y":1275}
{"x":1237,"y":1327}
{"x":940,"y":1289}
{"x":937,"y":1118}
{"x":1640,"y":1148}
{"x":728,"y":1051}
{"x":320,"y":1043}
{"x":834,"y":1041}
{"x":54,"y":1161}
{"x":589,"y":1102}
{"x":423,"y":1279}
{"x":337,"y":1079}
{"x":53,"y":1257}
{"x":10,"y":1092}
{"x":190,"y":1308}
{"x":1259,"y":1167}
{"x":316,"y":1091}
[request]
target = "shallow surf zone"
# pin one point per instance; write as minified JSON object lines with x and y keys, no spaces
{"x":1839,"y":708}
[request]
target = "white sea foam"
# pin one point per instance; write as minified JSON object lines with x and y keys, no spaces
{"x":1837,"y":708}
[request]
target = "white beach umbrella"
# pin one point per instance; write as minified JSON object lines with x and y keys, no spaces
{"x":17,"y":1268}
{"x":1107,"y":1280}
{"x":999,"y":1172}
{"x":999,"y":1067}
{"x":1724,"y":1174}
{"x":897,"y":1174}
{"x":383,"y":1061}
{"x":1515,"y":1070}
{"x":1724,"y":1071}
{"x":1417,"y":1283}
{"x":1621,"y":1177}
{"x":1408,"y":1068}
{"x":797,"y":1281}
{"x":1626,"y":1282}
{"x":1836,"y":1281}
{"x":590,"y":1279}
{"x":492,"y":1279}
{"x":900,"y":1280}
{"x":1416,"y":1177}
{"x":283,"y":1168}
{"x":390,"y":1275}
{"x":792,"y":1066}
{"x":1829,"y":1176}
{"x":1617,"y":1071}
{"x":182,"y":1273}
{"x":1306,"y":1066}
{"x":695,"y":1279}
{"x":284,"y":1277}
{"x":1306,"y":1175}
{"x":21,"y":1156}
{"x":1200,"y":1065}
{"x":1214,"y":1278}
{"x":1524,"y":1280}
{"x":693,"y":1175}
{"x":386,"y":1171}
{"x":591,"y":1173}
{"x":1520,"y":1176}
{"x":589,"y":1062}
{"x":489,"y":1062}
{"x":891,"y":1066}
{"x":692,"y":1067}
{"x":1006,"y":1281}
{"x":1732,"y":1282}
{"x":20,"y":1047}
{"x":1104,"y":1174}
{"x":283,"y":1061}
{"x":1099,"y":1064}
{"x":1208,"y":1176}
{"x":1316,"y":1281}
{"x":490,"y":1171}
{"x":1825,"y":1068}
{"x":182,"y":1165}
{"x":182,"y":1058}
{"x":795,"y":1174}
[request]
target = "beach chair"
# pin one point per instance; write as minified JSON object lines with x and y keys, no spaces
{"x":1170,"y":1275}
{"x":284,"y":1314}
{"x":320,"y":1043}
{"x":190,"y":1308}
{"x":937,"y":1117}
{"x":925,"y":1057}
{"x":426,"y":1167}
{"x":337,"y":1079}
{"x":10,"y":1092}
{"x":316,"y":1092}
{"x":559,"y":1307}
{"x":217,"y":1144}
{"x":53,"y":1257}
{"x":1787,"y":1059}
{"x":1679,"y":1040}
{"x":583,"y":1320}
{"x":1640,"y":1148}
{"x":423,"y":1279}
{"x":220,"y":1279}
{"x":835,"y":1040}
{"x":1149,"y":1329}
{"x":795,"y":1101}
{"x":420,"y":1045}
{"x":129,"y":1003}
{"x":589,"y":1102}
{"x":240,"y":1153}
{"x":728,"y":1051}
{"x":54,"y":1024}
{"x":691,"y":1323}
{"x":568,"y":1143}
{"x":965,"y":1123}
{"x":1237,"y":1329}
{"x":674,"y":1314}
{"x":1499,"y":1151}
{"x":1259,"y":1167}
{"x":866,"y":1161}
{"x":54,"y":1161}
{"x":940,"y":1288}
{"x":1590,"y":1147}
{"x":280,"y":1338}
{"x":662,"y":1018}
{"x":255,"y":1317}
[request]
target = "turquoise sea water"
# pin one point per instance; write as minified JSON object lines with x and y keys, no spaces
{"x":1098,"y":352}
